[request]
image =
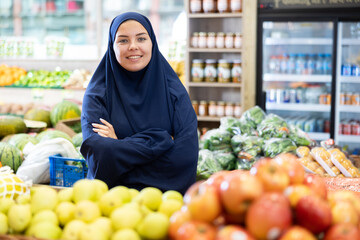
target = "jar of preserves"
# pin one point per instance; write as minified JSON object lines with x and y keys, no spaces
{"x":197,"y":70}
{"x":209,"y":6}
{"x":203,"y":108}
{"x":220,"y":40}
{"x":229,"y":40}
{"x":229,"y":109}
{"x":235,"y":6}
{"x":223,"y":6}
{"x":224,"y":71}
{"x":202,"y":41}
{"x":220,"y":109}
{"x":195,"y":105}
{"x":236,"y":71}
{"x":210,"y":40}
{"x":195,"y":40}
{"x":212,"y":109}
{"x":210,"y":70}
{"x":238,"y":40}
{"x":195,"y":6}
{"x":237,"y":110}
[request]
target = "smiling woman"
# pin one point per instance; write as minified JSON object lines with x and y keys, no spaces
{"x":139,"y":126}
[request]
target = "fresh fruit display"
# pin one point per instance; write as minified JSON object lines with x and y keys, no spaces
{"x":11,"y":125}
{"x":77,"y":139}
{"x":79,"y":78}
{"x":43,"y":78}
{"x":10,"y":75}
{"x":38,"y":114}
{"x":89,"y":210}
{"x":64,"y":110}
{"x":8,"y":108}
{"x":10,"y":156}
{"x":50,"y":134}
{"x":276,"y":199}
{"x":21,"y":139}
{"x":11,"y":186}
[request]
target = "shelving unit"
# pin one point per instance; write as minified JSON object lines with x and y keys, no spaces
{"x":243,"y":92}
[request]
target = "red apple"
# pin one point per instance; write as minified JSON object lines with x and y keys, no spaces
{"x":234,"y":218}
{"x":196,"y":230}
{"x":295,"y":192}
{"x":238,"y":190}
{"x":203,"y":202}
{"x":292,"y":166}
{"x":177,"y":219}
{"x":316,"y":184}
{"x":216,"y":179}
{"x":342,"y":231}
{"x":269,"y":216}
{"x":233,"y":232}
{"x":272,"y":175}
{"x":343,"y":211}
{"x":297,"y":233}
{"x":313,"y":213}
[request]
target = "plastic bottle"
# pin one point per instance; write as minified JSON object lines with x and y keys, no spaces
{"x":272,"y":64}
{"x":311,"y":64}
{"x":319,"y":68}
{"x":327,"y":63}
{"x":291,"y":63}
{"x":284,"y":63}
{"x":300,"y":64}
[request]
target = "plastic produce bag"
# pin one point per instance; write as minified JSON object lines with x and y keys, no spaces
{"x":273,"y":126}
{"x":299,"y":136}
{"x":254,"y":116}
{"x":36,"y":164}
{"x":247,"y":146}
{"x":217,"y":140}
{"x":207,"y":164}
{"x":225,"y":159}
{"x":237,"y":126}
{"x":275,"y":146}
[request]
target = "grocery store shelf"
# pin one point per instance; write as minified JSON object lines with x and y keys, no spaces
{"x":215,"y":15}
{"x":298,"y":107}
{"x":215,"y":84}
{"x":348,"y":138}
{"x":296,"y":78}
{"x":208,"y":119}
{"x":318,"y":135}
{"x":298,"y":41}
{"x":350,"y":41}
{"x":349,"y":108}
{"x":349,"y":79}
{"x":216,"y":50}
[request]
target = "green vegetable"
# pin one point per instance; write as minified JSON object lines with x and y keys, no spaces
{"x":244,"y":164}
{"x":299,"y":136}
{"x":254,"y":116}
{"x":207,"y":164}
{"x":275,"y":146}
{"x":225,"y":159}
{"x":217,"y":140}
{"x":273,"y":126}
{"x":247,"y":146}
{"x":237,"y":126}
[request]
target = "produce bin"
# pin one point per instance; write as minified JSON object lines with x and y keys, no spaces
{"x":66,"y":171}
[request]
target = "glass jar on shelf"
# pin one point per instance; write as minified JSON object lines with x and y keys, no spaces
{"x":195,"y":40}
{"x":236,"y":6}
{"x":236,"y":71}
{"x":224,"y":71}
{"x":195,"y":105}
{"x":220,"y":109}
{"x":197,"y":70}
{"x":195,"y":6}
{"x":220,"y":40}
{"x":212,"y":109}
{"x":209,"y":6}
{"x":237,"y":110}
{"x":238,"y":40}
{"x":229,"y":109}
{"x":202,"y":42}
{"x":210,"y":70}
{"x":229,"y":40}
{"x":223,"y":6}
{"x":211,"y":40}
{"x":203,"y":108}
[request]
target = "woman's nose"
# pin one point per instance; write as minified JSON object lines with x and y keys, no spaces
{"x":133,"y":45}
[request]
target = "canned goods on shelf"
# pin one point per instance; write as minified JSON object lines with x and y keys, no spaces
{"x":355,"y":128}
{"x":355,"y":100}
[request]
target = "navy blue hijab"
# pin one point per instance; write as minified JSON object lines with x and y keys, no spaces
{"x":152,"y":116}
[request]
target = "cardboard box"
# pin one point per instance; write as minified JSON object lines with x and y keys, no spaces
{"x":64,"y":126}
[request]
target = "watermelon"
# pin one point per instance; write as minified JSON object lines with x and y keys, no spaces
{"x":10,"y":156}
{"x":21,"y":139}
{"x":50,"y":134}
{"x":64,"y":110}
{"x":77,"y":139}
{"x":38,"y":114}
{"x":11,"y":125}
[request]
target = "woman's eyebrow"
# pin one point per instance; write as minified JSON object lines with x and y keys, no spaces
{"x":139,"y":34}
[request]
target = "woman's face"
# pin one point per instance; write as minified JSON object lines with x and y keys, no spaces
{"x":132,"y":46}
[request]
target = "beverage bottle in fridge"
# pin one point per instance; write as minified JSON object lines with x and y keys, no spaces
{"x":327,"y":63}
{"x":291,"y":64}
{"x":319,"y":67}
{"x":310,"y":64}
{"x":300,"y":64}
{"x":284,"y":63}
{"x":272,"y":64}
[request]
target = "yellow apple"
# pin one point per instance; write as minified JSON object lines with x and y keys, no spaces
{"x":104,"y":224}
{"x":5,"y":204}
{"x":46,"y":230}
{"x":23,"y":199}
{"x":3,"y":223}
{"x":84,"y":189}
{"x":125,"y":217}
{"x":128,"y":234}
{"x":169,"y":206}
{"x":44,"y":216}
{"x":91,"y":233}
{"x":123,"y":192}
{"x":65,"y":195}
{"x":150,"y":197}
{"x":133,"y":192}
{"x":154,"y":226}
{"x":65,"y":212}
{"x":101,"y":188}
{"x":109,"y":201}
{"x":87,"y":211}
{"x":19,"y":217}
{"x":73,"y":229}
{"x":172,"y":194}
{"x":43,"y":197}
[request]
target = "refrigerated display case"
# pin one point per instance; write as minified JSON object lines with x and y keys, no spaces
{"x":302,"y":50}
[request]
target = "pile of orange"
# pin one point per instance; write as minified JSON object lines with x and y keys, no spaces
{"x":9,"y":75}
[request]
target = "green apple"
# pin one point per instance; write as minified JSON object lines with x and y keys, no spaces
{"x":87,"y":211}
{"x":126,"y":233}
{"x":154,"y":226}
{"x":19,"y":217}
{"x":5,"y":204}
{"x":126,"y":217}
{"x":169,"y":206}
{"x":46,"y":230}
{"x":43,"y":197}
{"x":123,"y":192}
{"x":45,"y":216}
{"x":104,"y":224}
{"x":108,"y":202}
{"x":65,"y":195}
{"x":101,"y":188}
{"x":172,"y":194}
{"x":91,"y":233}
{"x":150,"y":197}
{"x":65,"y":212}
{"x":84,"y":189}
{"x":3,"y":223}
{"x":72,"y":230}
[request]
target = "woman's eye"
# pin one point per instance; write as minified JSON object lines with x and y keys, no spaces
{"x":122,"y":41}
{"x":141,"y":39}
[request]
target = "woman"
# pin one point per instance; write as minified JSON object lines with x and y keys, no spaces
{"x":138,"y":124}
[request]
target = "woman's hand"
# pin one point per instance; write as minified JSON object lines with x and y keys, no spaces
{"x":105,"y":130}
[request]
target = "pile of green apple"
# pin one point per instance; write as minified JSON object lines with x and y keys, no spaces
{"x":275,"y":200}
{"x":89,"y":210}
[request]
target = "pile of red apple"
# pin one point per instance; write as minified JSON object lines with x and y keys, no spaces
{"x":276,"y":199}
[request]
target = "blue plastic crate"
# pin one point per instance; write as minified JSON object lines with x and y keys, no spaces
{"x":65,"y":175}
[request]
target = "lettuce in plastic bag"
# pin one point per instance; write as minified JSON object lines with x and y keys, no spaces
{"x":225,"y":159}
{"x":275,"y":146}
{"x":273,"y":126}
{"x":207,"y":164}
{"x":217,"y":140}
{"x":254,"y":116}
{"x":299,"y":136}
{"x":237,"y":126}
{"x":247,"y":146}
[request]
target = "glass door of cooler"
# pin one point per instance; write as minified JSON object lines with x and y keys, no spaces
{"x":347,"y":113}
{"x":296,"y":73}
